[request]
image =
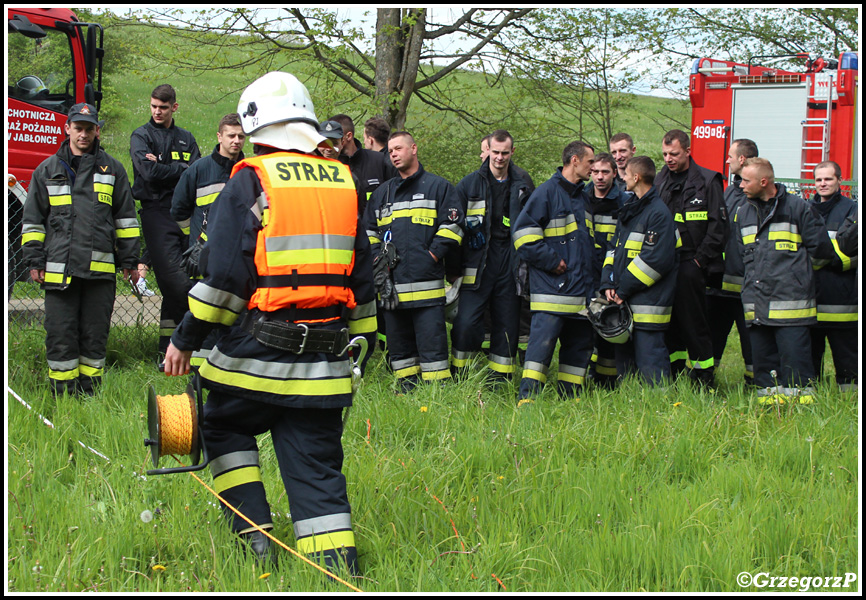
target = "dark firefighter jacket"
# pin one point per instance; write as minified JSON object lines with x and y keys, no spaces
{"x":474,"y":192}
{"x":79,"y":222}
{"x":642,"y":267}
{"x":699,"y":210}
{"x":776,"y":240}
{"x":175,"y":150}
{"x":556,"y":225}
{"x":198,"y":187}
{"x":423,"y":215}
{"x":838,"y":298}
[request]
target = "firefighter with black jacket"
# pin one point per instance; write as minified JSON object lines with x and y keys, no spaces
{"x":79,"y":226}
{"x":419,"y":216}
{"x":161,"y":152}
{"x":641,"y":269}
{"x":553,"y":234}
{"x":492,"y":197}
{"x":283,"y":242}
{"x":838,"y":297}
{"x":695,"y":197}
{"x":779,"y":238}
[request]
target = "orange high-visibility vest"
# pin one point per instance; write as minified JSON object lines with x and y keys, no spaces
{"x":306,"y":248}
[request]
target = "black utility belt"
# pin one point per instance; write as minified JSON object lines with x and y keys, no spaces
{"x":296,"y":337}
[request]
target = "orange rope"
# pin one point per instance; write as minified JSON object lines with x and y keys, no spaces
{"x":275,"y":540}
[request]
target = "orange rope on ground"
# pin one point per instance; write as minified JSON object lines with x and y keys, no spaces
{"x":275,"y":540}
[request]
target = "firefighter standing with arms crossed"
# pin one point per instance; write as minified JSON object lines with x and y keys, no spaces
{"x":284,"y":243}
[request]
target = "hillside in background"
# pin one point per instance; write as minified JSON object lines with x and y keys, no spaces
{"x":448,"y":144}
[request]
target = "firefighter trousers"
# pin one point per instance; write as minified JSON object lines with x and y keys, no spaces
{"x":498,"y":291}
{"x":843,"y":345}
{"x":726,"y":311}
{"x":780,"y":358}
{"x":575,"y":336}
{"x":166,"y":244}
{"x":418,"y":344}
{"x":689,"y":337}
{"x":644,"y":353}
{"x":77,"y":321}
{"x":307,"y":443}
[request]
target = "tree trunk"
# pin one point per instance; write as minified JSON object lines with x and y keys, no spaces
{"x":399,"y":39}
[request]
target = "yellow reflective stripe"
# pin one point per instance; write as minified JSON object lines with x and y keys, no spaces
{"x":788,"y":236}
{"x":561,"y":230}
{"x":101,"y":267}
{"x":435,"y":375}
{"x":56,"y":278}
{"x":205,"y":200}
{"x":570,"y":378}
{"x":846,"y":260}
{"x":407,"y":372}
{"x":447,"y":233}
{"x":533,"y":374}
{"x":526,"y":239}
{"x":290,"y":387}
{"x":211,"y":314}
{"x":237,"y":477}
{"x":634,"y":269}
{"x":90,"y":371}
{"x":60,"y":200}
{"x":63,"y":375}
{"x":328,"y":256}
{"x":801,"y":313}
{"x":555,"y":307}
{"x":326,"y":541}
{"x":127,"y":232}
{"x":422,"y":295}
{"x":33,"y":237}
{"x":651,"y":318}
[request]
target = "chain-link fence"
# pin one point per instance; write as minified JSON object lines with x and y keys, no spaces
{"x":25,"y":299}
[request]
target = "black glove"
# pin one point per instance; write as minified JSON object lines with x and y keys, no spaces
{"x":383,"y":264}
{"x":190,"y":259}
{"x":474,"y":233}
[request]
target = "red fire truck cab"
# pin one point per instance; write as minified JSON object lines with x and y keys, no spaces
{"x":797,"y":119}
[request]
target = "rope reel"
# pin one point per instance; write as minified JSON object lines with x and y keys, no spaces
{"x":174,"y":428}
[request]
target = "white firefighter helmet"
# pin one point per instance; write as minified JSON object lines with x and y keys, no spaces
{"x":276,"y":110}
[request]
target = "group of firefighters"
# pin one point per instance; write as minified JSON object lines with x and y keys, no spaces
{"x":266,"y":290}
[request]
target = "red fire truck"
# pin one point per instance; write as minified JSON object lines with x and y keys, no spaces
{"x":797,"y":119}
{"x":54,"y":62}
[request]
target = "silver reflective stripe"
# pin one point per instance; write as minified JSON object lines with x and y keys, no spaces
{"x":420,"y":286}
{"x":234,"y":460}
{"x":405,"y":363}
{"x":259,"y":207}
{"x":577,"y":371}
{"x":555,"y":299}
{"x":96,"y":363}
{"x":215,"y":297}
{"x":63,"y":365}
{"x":309,"y":242}
{"x":317,"y":525}
{"x":281,"y":371}
{"x":535,"y":366}
{"x":106,"y":257}
{"x":409,"y":205}
{"x":106,"y":179}
{"x":439,"y":365}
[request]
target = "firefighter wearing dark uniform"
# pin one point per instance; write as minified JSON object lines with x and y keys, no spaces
{"x":284,"y":243}
{"x":420,"y":214}
{"x":778,"y":234}
{"x":605,"y":211}
{"x":642,"y":270}
{"x":838,"y":298}
{"x":695,"y":197}
{"x":161,"y":151}
{"x":489,"y":261}
{"x":553,"y":234}
{"x":79,"y":226}
{"x":196,"y":191}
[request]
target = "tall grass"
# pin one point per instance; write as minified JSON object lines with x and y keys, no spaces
{"x":453,"y":488}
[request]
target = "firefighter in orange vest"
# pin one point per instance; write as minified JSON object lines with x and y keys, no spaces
{"x":284,"y":244}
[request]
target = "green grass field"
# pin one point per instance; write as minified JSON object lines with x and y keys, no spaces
{"x":452,"y":489}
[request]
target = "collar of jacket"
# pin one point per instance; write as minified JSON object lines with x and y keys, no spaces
{"x":225,"y":162}
{"x":825,"y":207}
{"x":416,"y":175}
{"x":572,"y":189}
{"x":65,"y":151}
{"x":156,"y":125}
{"x":634,"y":205}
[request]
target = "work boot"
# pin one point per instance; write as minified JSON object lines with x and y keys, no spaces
{"x":260,"y":545}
